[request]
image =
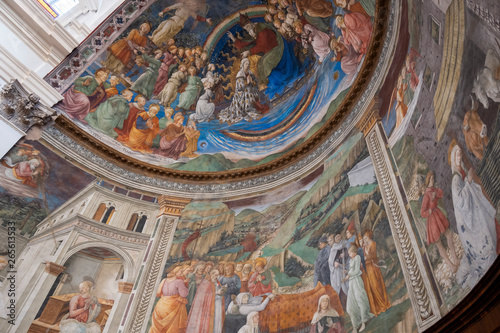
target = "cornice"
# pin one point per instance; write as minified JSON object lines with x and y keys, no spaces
{"x":172,"y":206}
{"x":53,"y":268}
{"x":82,"y":223}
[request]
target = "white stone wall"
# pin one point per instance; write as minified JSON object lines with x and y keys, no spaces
{"x":87,"y":202}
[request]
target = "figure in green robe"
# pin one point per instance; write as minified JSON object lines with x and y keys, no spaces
{"x":111,"y":114}
{"x":164,"y":122}
{"x":358,"y":306}
{"x":188,"y":97}
{"x":146,"y":82}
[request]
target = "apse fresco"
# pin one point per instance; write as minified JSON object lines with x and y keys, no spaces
{"x":445,"y":137}
{"x":323,"y":241}
{"x":217,"y":85}
{"x":33,"y":183}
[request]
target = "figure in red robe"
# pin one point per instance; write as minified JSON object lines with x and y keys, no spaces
{"x":437,"y":223}
{"x":249,"y":244}
{"x":260,"y":282}
{"x":169,"y":58}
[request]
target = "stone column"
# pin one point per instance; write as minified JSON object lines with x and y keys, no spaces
{"x":423,"y":299}
{"x":121,"y":300}
{"x":33,"y":301}
{"x":19,"y":112}
{"x":143,"y":295}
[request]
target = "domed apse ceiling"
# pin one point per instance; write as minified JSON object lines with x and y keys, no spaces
{"x":214,"y":86}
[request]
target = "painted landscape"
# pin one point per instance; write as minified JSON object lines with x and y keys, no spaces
{"x":264,"y":254}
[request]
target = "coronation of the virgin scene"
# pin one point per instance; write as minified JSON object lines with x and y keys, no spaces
{"x":249,"y":166}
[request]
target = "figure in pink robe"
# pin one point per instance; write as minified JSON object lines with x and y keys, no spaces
{"x":357,"y":30}
{"x":317,"y":39}
{"x":348,"y":57}
{"x":207,"y":311}
{"x":169,"y":58}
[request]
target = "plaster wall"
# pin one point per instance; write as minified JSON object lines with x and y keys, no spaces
{"x":107,"y":279}
{"x":78,"y":267}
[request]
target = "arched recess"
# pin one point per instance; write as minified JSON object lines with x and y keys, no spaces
{"x":133,"y":220}
{"x":105,"y":212}
{"x":108,"y":215}
{"x":138,"y":221}
{"x":100,"y":212}
{"x":128,"y":262}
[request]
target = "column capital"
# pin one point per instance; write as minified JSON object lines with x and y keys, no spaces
{"x":53,"y":269}
{"x":23,"y":109}
{"x":370,"y":117}
{"x":172,"y":206}
{"x":125,"y":287}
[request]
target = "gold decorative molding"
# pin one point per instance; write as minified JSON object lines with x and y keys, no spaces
{"x":370,"y":117}
{"x":53,"y":269}
{"x":153,"y":268}
{"x":451,"y":66}
{"x":172,"y":206}
{"x":125,"y":287}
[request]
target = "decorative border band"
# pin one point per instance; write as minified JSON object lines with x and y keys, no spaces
{"x":153,"y":270}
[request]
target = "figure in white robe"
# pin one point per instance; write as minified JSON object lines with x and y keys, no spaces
{"x":252,"y":325}
{"x":171,"y":27}
{"x":219,"y":308}
{"x":205,"y":107}
{"x":246,"y":303}
{"x":475,"y":218}
{"x":338,"y":263}
{"x":169,"y":93}
{"x":358,"y":306}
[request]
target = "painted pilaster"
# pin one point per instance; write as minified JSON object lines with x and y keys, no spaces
{"x":424,"y":302}
{"x":121,"y":300}
{"x":143,"y":293}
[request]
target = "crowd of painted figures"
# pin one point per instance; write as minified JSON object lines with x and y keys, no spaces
{"x":475,"y":218}
{"x":208,"y":296}
{"x":204,"y":295}
{"x":351,"y":267}
{"x":155,"y":70}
